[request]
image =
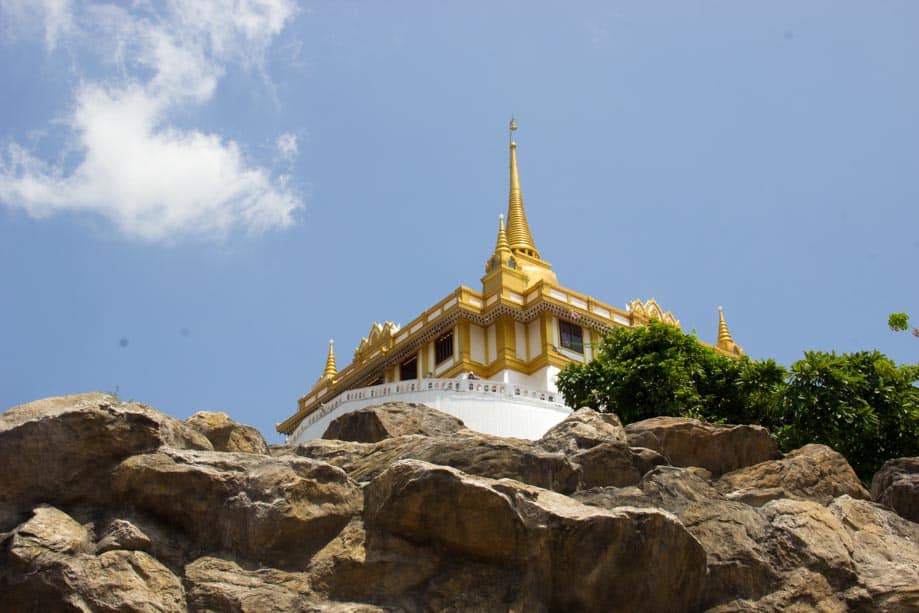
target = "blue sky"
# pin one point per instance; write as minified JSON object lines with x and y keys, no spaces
{"x":195,"y":196}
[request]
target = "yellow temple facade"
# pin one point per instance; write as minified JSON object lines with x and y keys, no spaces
{"x":490,"y":355}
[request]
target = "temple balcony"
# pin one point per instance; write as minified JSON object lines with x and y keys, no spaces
{"x":493,"y":407}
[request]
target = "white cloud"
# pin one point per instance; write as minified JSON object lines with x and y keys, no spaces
{"x":151,"y":179}
{"x":287,"y":145}
{"x":21,"y":17}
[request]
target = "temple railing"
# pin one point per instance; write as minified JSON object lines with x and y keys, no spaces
{"x":392,"y":391}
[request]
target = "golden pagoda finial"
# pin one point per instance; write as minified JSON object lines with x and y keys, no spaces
{"x":501,"y":245}
{"x":518,"y":230}
{"x":725,"y":340}
{"x":330,"y":368}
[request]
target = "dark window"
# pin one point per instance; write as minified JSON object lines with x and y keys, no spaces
{"x":377,"y":380}
{"x":408,"y":369}
{"x":571,"y":335}
{"x":443,"y":348}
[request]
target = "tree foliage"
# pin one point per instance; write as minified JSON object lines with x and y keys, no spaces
{"x":898,"y":322}
{"x":861,"y":404}
{"x":658,"y":370}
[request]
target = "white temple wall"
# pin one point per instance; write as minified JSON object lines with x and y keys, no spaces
{"x":477,"y":343}
{"x":534,"y":337}
{"x":520,"y":341}
{"x":491,"y":343}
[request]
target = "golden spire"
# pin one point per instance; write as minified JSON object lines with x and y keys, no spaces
{"x":330,"y":369}
{"x":725,"y":340}
{"x":518,"y":230}
{"x":501,"y":245}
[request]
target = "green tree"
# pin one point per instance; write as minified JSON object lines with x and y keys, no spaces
{"x":861,"y":404}
{"x":658,"y":370}
{"x":898,"y":322}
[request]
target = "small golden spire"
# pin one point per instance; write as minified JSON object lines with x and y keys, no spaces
{"x":501,"y":245}
{"x":518,"y":230}
{"x":725,"y":340}
{"x":330,"y":368}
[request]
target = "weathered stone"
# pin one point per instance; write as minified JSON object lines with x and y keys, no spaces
{"x":897,"y":486}
{"x":122,"y":534}
{"x":804,"y":534}
{"x":47,"y":568}
{"x":734,"y":536}
{"x":258,"y":507}
{"x":813,"y":472}
{"x":391,"y":419}
{"x":885,"y":552}
{"x":221,"y":585}
{"x":645,"y":459}
{"x":471,"y":452}
{"x":370,"y":565}
{"x":62,"y":450}
{"x":674,"y":488}
{"x":580,"y":557}
{"x":801,"y":592}
{"x":227,"y":435}
{"x":583,"y":429}
{"x":611,"y":463}
{"x":610,"y":497}
{"x":690,"y":442}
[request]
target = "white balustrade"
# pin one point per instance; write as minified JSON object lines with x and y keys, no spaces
{"x":392,"y":391}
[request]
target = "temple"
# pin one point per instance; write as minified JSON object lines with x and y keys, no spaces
{"x":488,"y":356}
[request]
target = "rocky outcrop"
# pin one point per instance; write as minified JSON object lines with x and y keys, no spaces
{"x":129,"y":509}
{"x":62,"y":450}
{"x":50,"y":566}
{"x":690,"y":442}
{"x":472,"y":452}
{"x":583,"y":429}
{"x":259,"y":507}
{"x":215,"y":584}
{"x":574,"y":454}
{"x":884,"y":553}
{"x":565,"y":549}
{"x":391,"y":419}
{"x":227,"y":435}
{"x":813,"y":472}
{"x":896,"y":485}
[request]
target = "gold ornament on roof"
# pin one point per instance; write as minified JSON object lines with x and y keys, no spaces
{"x":330,"y":368}
{"x":518,"y":230}
{"x":652,"y":310}
{"x":380,"y":337}
{"x":725,"y":340}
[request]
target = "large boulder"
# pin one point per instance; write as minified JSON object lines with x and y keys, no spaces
{"x":276,"y":510}
{"x":813,"y":472}
{"x":227,"y":435}
{"x":372,"y":565}
{"x":215,"y":584}
{"x":885,"y":552}
{"x":390,"y":419}
{"x":805,"y":534}
{"x":471,"y":452}
{"x":716,"y":448}
{"x":122,"y":534}
{"x":897,"y":486}
{"x":49,"y":567}
{"x":573,"y":557}
{"x":583,"y":429}
{"x":62,"y":450}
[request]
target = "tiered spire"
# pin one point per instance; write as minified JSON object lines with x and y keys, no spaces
{"x":518,"y":230}
{"x":330,"y":368}
{"x":501,"y":245}
{"x":725,"y":340}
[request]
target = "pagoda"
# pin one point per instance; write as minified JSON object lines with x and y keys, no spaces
{"x":488,"y":356}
